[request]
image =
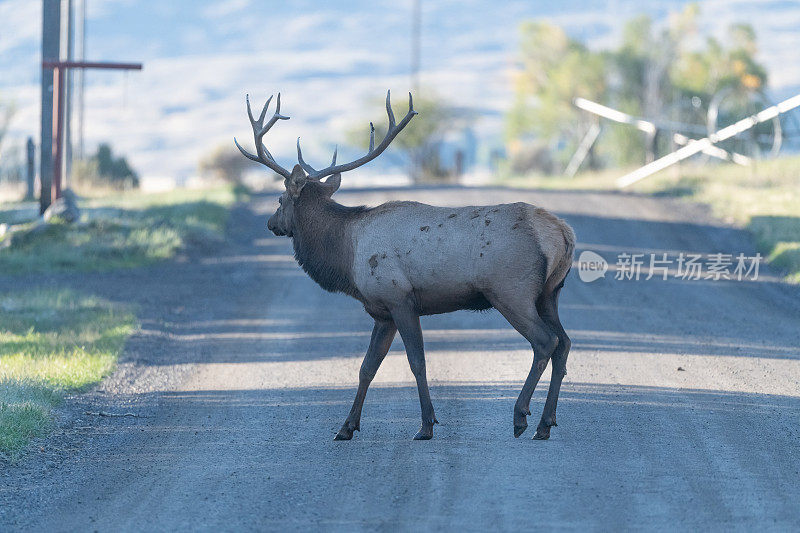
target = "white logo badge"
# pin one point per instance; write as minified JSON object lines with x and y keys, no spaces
{"x":591,"y":266}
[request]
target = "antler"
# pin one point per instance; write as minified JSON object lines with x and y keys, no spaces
{"x":259,"y":129}
{"x":373,"y":151}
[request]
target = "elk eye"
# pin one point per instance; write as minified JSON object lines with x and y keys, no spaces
{"x":280,"y":200}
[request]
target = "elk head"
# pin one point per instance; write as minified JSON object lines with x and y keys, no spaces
{"x":303,"y":176}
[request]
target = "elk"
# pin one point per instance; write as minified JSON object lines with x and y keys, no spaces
{"x":403,"y":260}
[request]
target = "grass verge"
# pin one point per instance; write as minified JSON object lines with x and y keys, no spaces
{"x":763,"y":198}
{"x":122,"y":231}
{"x":51,"y":343}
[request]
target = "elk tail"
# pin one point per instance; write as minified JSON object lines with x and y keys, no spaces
{"x":564,"y":263}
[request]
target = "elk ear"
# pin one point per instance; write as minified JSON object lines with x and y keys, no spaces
{"x":331,"y":185}
{"x":295,"y":183}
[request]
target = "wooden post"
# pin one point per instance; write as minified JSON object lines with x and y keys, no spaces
{"x":31,"y":168}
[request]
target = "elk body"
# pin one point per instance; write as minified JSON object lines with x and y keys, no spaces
{"x":403,"y":260}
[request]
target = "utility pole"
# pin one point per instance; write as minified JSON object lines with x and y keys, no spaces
{"x":81,"y":39}
{"x":54,"y":78}
{"x":68,"y":93}
{"x":416,"y":31}
{"x":416,"y":37}
{"x":51,"y":40}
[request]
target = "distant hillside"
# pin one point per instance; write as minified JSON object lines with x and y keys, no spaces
{"x":201,"y":57}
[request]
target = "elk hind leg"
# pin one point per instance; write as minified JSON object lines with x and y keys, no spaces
{"x":522,"y":315}
{"x":548,"y":310}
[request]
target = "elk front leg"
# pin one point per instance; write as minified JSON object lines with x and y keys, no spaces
{"x":407,"y":322}
{"x":382,"y":335}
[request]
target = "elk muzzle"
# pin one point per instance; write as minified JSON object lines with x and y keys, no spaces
{"x":274,"y":226}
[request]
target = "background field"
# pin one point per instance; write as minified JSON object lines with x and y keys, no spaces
{"x":122,"y":230}
{"x":764,"y":199}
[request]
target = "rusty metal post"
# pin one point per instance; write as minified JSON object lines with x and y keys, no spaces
{"x":59,"y":75}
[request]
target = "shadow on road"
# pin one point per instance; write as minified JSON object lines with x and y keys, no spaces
{"x":693,"y":317}
{"x":646,"y":452}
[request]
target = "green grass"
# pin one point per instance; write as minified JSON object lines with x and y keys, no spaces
{"x":122,"y":231}
{"x":764,"y":199}
{"x":51,"y":343}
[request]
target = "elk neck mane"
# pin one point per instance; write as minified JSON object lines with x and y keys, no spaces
{"x":322,"y":242}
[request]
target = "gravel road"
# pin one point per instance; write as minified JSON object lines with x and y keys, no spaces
{"x":680,"y":410}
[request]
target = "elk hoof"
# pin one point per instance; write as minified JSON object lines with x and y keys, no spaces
{"x":520,"y":421}
{"x":346,"y":433}
{"x":542,"y":433}
{"x":424,"y":433}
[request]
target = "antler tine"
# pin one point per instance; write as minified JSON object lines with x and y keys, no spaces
{"x":374,"y":151}
{"x":308,"y":168}
{"x":245,"y":153}
{"x":371,"y":137}
{"x":259,"y":129}
{"x":275,"y":117}
{"x":269,"y":155}
{"x":389,"y":109}
{"x":266,"y":106}
{"x":249,"y":110}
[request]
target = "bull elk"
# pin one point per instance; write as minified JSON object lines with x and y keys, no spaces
{"x":403,"y":260}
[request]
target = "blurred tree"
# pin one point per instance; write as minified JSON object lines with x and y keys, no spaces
{"x":7,"y":111}
{"x":225,"y":163}
{"x":421,"y":139}
{"x":12,"y":155}
{"x":641,"y":84}
{"x":555,"y":70}
{"x":652,"y":74}
{"x":706,"y":71}
{"x":105,"y":170}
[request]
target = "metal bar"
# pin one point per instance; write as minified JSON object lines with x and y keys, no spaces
{"x":613,"y":114}
{"x":640,"y":123}
{"x":699,"y":145}
{"x":91,"y":64}
{"x":716,"y":151}
{"x":583,"y":150}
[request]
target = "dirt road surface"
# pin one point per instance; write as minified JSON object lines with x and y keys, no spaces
{"x":680,"y":410}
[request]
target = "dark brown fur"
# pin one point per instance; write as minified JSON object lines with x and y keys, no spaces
{"x":321,"y":242}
